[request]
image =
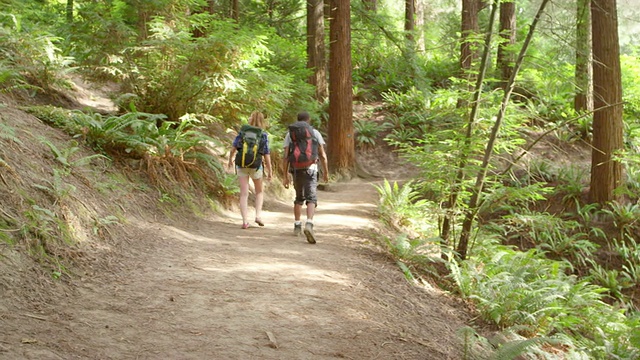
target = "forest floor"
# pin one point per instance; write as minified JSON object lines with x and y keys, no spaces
{"x":180,"y":286}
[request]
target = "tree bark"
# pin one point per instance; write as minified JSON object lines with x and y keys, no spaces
{"x":409,"y":19}
{"x":341,"y":144}
{"x":583,"y":100}
{"x":506,"y":55}
{"x":470,"y":28}
{"x":235,"y":10}
{"x":69,"y":11}
{"x":316,"y":49}
{"x":606,"y":172}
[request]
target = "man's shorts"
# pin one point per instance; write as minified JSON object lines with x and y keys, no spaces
{"x":305,"y":182}
{"x":254,"y":173}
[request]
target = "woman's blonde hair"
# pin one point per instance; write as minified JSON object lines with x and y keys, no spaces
{"x":257,"y":119}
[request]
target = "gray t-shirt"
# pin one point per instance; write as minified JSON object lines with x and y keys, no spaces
{"x":316,"y":134}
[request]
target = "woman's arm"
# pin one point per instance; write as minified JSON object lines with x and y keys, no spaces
{"x":267,"y":166}
{"x":232,"y":155}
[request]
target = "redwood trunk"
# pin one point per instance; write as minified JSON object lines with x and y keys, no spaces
{"x":606,"y":172}
{"x":506,"y":54}
{"x":341,"y":144}
{"x":315,"y":47}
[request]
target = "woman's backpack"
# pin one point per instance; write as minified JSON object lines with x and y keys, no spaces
{"x":249,"y":153}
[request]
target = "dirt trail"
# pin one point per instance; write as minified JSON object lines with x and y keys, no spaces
{"x":206,"y":289}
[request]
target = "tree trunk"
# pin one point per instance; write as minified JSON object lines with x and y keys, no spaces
{"x":69,"y":11}
{"x":506,"y":55}
{"x":419,"y":25}
{"x":235,"y":10}
{"x":583,"y":100}
{"x":315,"y":48}
{"x":470,"y":28}
{"x":468,"y":45}
{"x":409,"y":19}
{"x":341,"y":144}
{"x":606,"y":172}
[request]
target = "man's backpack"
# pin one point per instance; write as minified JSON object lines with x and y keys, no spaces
{"x":249,"y":153}
{"x":303,"y":150}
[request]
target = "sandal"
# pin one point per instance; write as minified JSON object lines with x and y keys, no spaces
{"x":259,"y":222}
{"x":245,"y":225}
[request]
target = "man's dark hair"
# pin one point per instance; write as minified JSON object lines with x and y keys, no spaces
{"x":303,"y":116}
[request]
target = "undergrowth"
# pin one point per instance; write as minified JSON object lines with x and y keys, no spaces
{"x":535,"y":294}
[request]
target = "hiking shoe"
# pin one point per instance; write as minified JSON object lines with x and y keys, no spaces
{"x":297,"y":229}
{"x":308,"y":232}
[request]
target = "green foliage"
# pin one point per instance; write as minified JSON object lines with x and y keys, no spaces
{"x":398,"y":204}
{"x":221,"y":74}
{"x":64,"y":156}
{"x":561,"y":239}
{"x":31,"y":59}
{"x":630,"y":87}
{"x":398,"y":103}
{"x":571,"y":180}
{"x":58,"y":189}
{"x":367,"y":133}
{"x":101,"y":225}
{"x":629,"y":251}
{"x":551,"y":95}
{"x":170,"y":152}
{"x":624,"y":215}
{"x":8,"y":133}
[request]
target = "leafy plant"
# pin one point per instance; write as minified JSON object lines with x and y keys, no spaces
{"x":403,"y":135}
{"x":570,"y":182}
{"x":398,"y":203}
{"x":367,"y":132}
{"x":58,"y":189}
{"x":8,"y":133}
{"x":412,"y":101}
{"x":64,"y":156}
{"x":101,"y":225}
{"x":608,"y":279}
{"x":624,"y":215}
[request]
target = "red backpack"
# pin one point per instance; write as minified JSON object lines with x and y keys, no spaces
{"x":303,"y":150}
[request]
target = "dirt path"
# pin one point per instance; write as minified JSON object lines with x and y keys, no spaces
{"x":208,"y":290}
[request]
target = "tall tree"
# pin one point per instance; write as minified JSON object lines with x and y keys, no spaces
{"x":583,"y":100}
{"x":235,"y":9}
{"x":506,"y":55}
{"x":469,"y":30}
{"x":409,"y":19}
{"x":69,"y":11}
{"x":419,"y":24}
{"x":606,"y":171}
{"x":341,"y":144}
{"x":315,"y":48}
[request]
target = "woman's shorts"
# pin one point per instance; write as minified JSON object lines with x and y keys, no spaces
{"x":253,"y":173}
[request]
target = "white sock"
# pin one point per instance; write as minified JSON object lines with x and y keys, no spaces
{"x":298,"y":222}
{"x":309,"y":221}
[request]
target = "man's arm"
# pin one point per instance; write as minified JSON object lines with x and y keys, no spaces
{"x":285,"y":167}
{"x":323,"y":162}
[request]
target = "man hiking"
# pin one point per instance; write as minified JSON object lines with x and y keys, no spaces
{"x":303,"y":147}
